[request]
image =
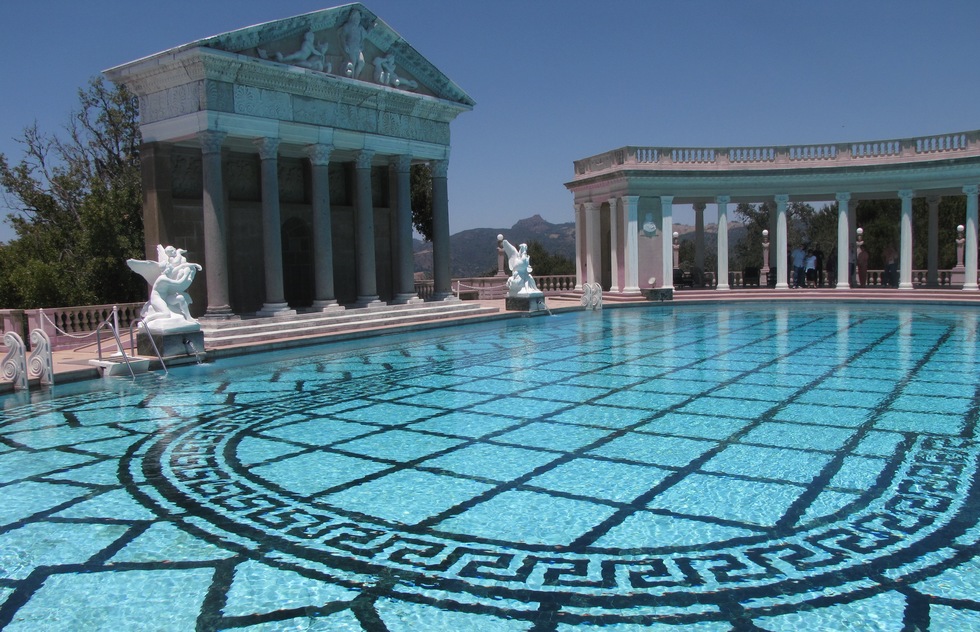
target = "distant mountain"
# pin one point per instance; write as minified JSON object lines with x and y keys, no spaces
{"x":474,"y":252}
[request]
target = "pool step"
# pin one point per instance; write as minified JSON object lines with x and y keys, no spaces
{"x":250,"y":331}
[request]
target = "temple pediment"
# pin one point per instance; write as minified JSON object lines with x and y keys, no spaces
{"x":348,"y":43}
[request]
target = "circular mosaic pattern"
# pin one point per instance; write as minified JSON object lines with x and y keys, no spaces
{"x":756,"y":516}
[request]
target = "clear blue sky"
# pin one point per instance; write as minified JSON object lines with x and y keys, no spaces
{"x":559,"y":80}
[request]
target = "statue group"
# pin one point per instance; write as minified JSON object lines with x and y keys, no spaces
{"x":168,"y":309}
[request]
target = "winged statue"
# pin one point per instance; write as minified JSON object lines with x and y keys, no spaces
{"x":169,"y":276}
{"x":520,"y":283}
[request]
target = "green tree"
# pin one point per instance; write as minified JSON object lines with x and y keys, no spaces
{"x":77,"y":203}
{"x":545,"y":263}
{"x":421,"y":194}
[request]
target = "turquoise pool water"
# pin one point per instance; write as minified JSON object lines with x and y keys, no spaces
{"x":724,"y":468}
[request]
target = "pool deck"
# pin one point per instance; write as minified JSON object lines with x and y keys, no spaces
{"x":73,"y":365}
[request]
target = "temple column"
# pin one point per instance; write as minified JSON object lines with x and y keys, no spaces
{"x":367,"y":281}
{"x":905,"y":241}
{"x":782,"y":249}
{"x":932,"y":257}
{"x":667,"y":238}
{"x":970,"y":256}
{"x":275,"y":297}
{"x":699,"y":235}
{"x":215,"y":230}
{"x":579,"y":242}
{"x":614,"y":226}
{"x":722,"y":202}
{"x":403,"y":258}
{"x":323,"y":288}
{"x":631,"y":263}
{"x":843,"y":241}
{"x":592,"y":242}
{"x":441,"y":261}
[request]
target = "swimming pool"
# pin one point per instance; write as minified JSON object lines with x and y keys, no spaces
{"x":783,"y":467}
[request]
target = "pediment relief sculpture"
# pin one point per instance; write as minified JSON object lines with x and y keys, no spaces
{"x":343,"y":50}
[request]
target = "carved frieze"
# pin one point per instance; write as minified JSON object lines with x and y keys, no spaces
{"x":186,"y":175}
{"x":264,"y":103}
{"x":242,"y":177}
{"x":291,"y":180}
{"x":175,"y":101}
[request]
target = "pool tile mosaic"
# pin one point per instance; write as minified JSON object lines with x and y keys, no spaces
{"x":665,"y":468}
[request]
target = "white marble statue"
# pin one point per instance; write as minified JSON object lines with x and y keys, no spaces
{"x":309,"y":55}
{"x":520,"y":282}
{"x":352,"y":39}
{"x":169,"y":276}
{"x":384,"y":73}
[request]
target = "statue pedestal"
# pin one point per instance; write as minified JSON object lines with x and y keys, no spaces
{"x":957,"y":276}
{"x":172,"y":346}
{"x":529,"y":303}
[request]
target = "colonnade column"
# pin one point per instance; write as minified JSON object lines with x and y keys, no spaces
{"x":441,"y":274}
{"x":614,"y":228}
{"x":323,"y":289}
{"x":905,"y":241}
{"x":699,"y":235}
{"x":722,"y":202}
{"x":970,"y":256}
{"x":592,"y":243}
{"x":782,"y":263}
{"x":367,"y":282}
{"x":215,"y":230}
{"x":667,"y":238}
{"x":404,"y":260}
{"x":631,"y":266}
{"x":932,"y":258}
{"x":579,"y":241}
{"x":843,"y":241}
{"x":275,"y":297}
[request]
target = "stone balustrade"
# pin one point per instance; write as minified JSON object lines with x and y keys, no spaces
{"x":925,"y":148}
{"x":66,"y":326}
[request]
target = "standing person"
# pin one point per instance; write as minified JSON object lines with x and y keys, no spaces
{"x":891,"y":266}
{"x":832,"y":268}
{"x":798,"y":262}
{"x":810,"y":270}
{"x":820,"y":265}
{"x":862,"y":266}
{"x":851,"y":267}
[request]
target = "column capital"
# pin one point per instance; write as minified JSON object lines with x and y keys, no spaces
{"x":971,"y":189}
{"x":591,"y":207}
{"x":268,"y":147}
{"x":699,"y":206}
{"x":666,"y":199}
{"x":781,"y":198}
{"x":319,"y":154}
{"x":631,"y":199}
{"x":364,"y":158}
{"x":612,"y":200}
{"x":843,"y":196}
{"x":402,"y":163}
{"x":211,"y":141}
{"x":906,"y":194}
{"x":723,"y":199}
{"x":440,"y":168}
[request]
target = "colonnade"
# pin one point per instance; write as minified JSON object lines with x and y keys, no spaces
{"x":215,"y":228}
{"x":623,"y":211}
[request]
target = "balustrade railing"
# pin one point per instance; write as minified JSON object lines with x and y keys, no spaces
{"x":62,"y":323}
{"x":495,"y":287}
{"x":957,"y":144}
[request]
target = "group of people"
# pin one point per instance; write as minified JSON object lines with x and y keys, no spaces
{"x":808,"y":267}
{"x":859,"y":260}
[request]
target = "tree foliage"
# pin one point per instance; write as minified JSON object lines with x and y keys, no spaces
{"x":77,"y":208}
{"x":421,"y":193}
{"x":545,"y":263}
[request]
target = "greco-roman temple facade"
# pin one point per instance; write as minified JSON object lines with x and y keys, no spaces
{"x":279,"y":157}
{"x":624,"y":201}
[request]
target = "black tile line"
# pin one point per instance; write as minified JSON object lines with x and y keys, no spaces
{"x":796,"y":510}
{"x":695,"y":465}
{"x":209,"y":617}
